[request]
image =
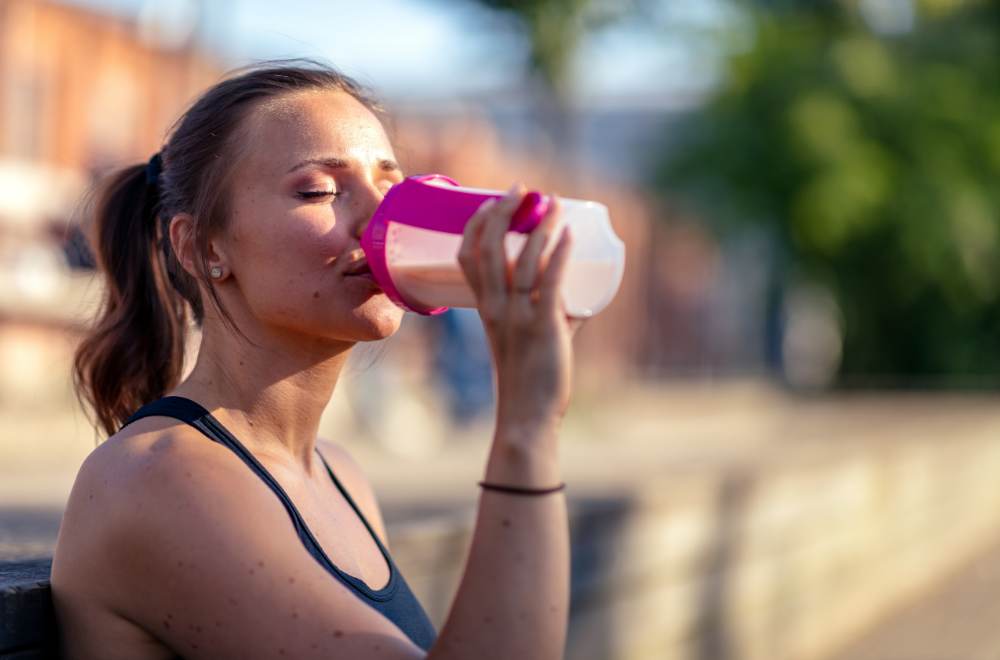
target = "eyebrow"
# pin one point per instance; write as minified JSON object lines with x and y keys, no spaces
{"x":336,"y":163}
{"x":329,"y":163}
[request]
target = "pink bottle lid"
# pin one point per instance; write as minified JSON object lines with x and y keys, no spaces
{"x":417,"y":203}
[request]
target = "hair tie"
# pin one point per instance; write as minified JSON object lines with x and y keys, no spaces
{"x":153,"y":169}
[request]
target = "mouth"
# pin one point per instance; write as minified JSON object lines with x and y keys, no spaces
{"x":360,"y":268}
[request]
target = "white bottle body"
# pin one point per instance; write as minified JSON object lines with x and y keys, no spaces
{"x":423,"y":264}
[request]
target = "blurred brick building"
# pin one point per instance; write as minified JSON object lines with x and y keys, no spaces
{"x":80,"y":91}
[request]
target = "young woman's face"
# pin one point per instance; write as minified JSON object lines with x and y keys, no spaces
{"x":320,"y":165}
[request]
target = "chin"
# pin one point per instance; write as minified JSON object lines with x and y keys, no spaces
{"x":378,"y":318}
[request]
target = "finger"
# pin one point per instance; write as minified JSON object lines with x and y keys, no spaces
{"x":526,"y":271}
{"x":470,"y":238}
{"x":550,"y":284}
{"x":492,"y":257}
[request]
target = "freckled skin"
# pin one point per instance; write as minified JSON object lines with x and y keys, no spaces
{"x":279,"y":233}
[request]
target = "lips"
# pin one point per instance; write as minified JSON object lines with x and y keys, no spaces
{"x":358,"y":268}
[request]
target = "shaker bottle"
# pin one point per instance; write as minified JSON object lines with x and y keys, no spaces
{"x":413,"y":239}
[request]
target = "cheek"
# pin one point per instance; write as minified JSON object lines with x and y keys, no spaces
{"x":285,"y":263}
{"x":279,"y":247}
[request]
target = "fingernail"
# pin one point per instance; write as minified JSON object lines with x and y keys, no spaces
{"x":513,"y":188}
{"x":488,"y":204}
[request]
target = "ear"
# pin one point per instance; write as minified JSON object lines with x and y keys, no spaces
{"x":182,"y":239}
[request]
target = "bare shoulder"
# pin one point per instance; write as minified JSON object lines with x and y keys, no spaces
{"x":142,"y":469}
{"x":133,"y":478}
{"x":111,"y":541}
{"x":170,"y":543}
{"x":154,"y":444}
{"x":353,"y":478}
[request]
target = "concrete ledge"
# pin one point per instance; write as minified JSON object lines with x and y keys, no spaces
{"x":27,"y":622}
{"x":770,"y":558}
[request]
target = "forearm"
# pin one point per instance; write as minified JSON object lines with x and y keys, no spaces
{"x":513,"y":601}
{"x":514,"y":596}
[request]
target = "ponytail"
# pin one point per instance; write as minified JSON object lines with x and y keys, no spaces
{"x":135,"y":352}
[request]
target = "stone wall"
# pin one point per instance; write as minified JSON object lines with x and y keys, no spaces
{"x":788,"y":555}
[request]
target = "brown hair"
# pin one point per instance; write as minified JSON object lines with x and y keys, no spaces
{"x":135,"y":351}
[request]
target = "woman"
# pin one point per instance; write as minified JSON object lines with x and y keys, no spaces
{"x":214,"y":524}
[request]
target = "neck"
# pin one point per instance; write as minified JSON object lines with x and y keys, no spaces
{"x":269,"y":391}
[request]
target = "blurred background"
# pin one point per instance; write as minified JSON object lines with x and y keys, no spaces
{"x":785,"y":439}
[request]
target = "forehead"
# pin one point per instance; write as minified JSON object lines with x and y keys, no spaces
{"x":317,"y":124}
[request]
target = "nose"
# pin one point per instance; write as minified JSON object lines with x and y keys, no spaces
{"x":369,"y":198}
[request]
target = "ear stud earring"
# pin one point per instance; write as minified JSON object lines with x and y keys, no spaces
{"x":216,"y":273}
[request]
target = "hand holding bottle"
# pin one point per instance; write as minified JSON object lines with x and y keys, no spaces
{"x":523,"y":313}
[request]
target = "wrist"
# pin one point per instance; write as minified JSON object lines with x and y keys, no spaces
{"x":526,"y":432}
{"x":525,"y":455}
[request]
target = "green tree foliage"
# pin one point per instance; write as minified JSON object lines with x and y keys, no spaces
{"x":876,"y":162}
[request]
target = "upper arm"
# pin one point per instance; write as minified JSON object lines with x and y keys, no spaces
{"x":196,"y":551}
{"x":353,"y":479}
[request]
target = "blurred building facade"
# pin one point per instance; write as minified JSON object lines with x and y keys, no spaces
{"x":80,"y":92}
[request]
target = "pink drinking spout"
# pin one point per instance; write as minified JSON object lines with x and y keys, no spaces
{"x":413,"y":239}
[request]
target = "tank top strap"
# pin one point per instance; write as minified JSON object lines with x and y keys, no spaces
{"x":193,"y":414}
{"x":350,"y":500}
{"x":395,"y":601}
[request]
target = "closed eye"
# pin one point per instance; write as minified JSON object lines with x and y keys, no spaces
{"x":317,"y":195}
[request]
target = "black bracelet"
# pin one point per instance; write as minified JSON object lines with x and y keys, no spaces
{"x":515,"y":490}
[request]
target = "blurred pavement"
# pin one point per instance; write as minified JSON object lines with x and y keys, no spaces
{"x":956,"y":622}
